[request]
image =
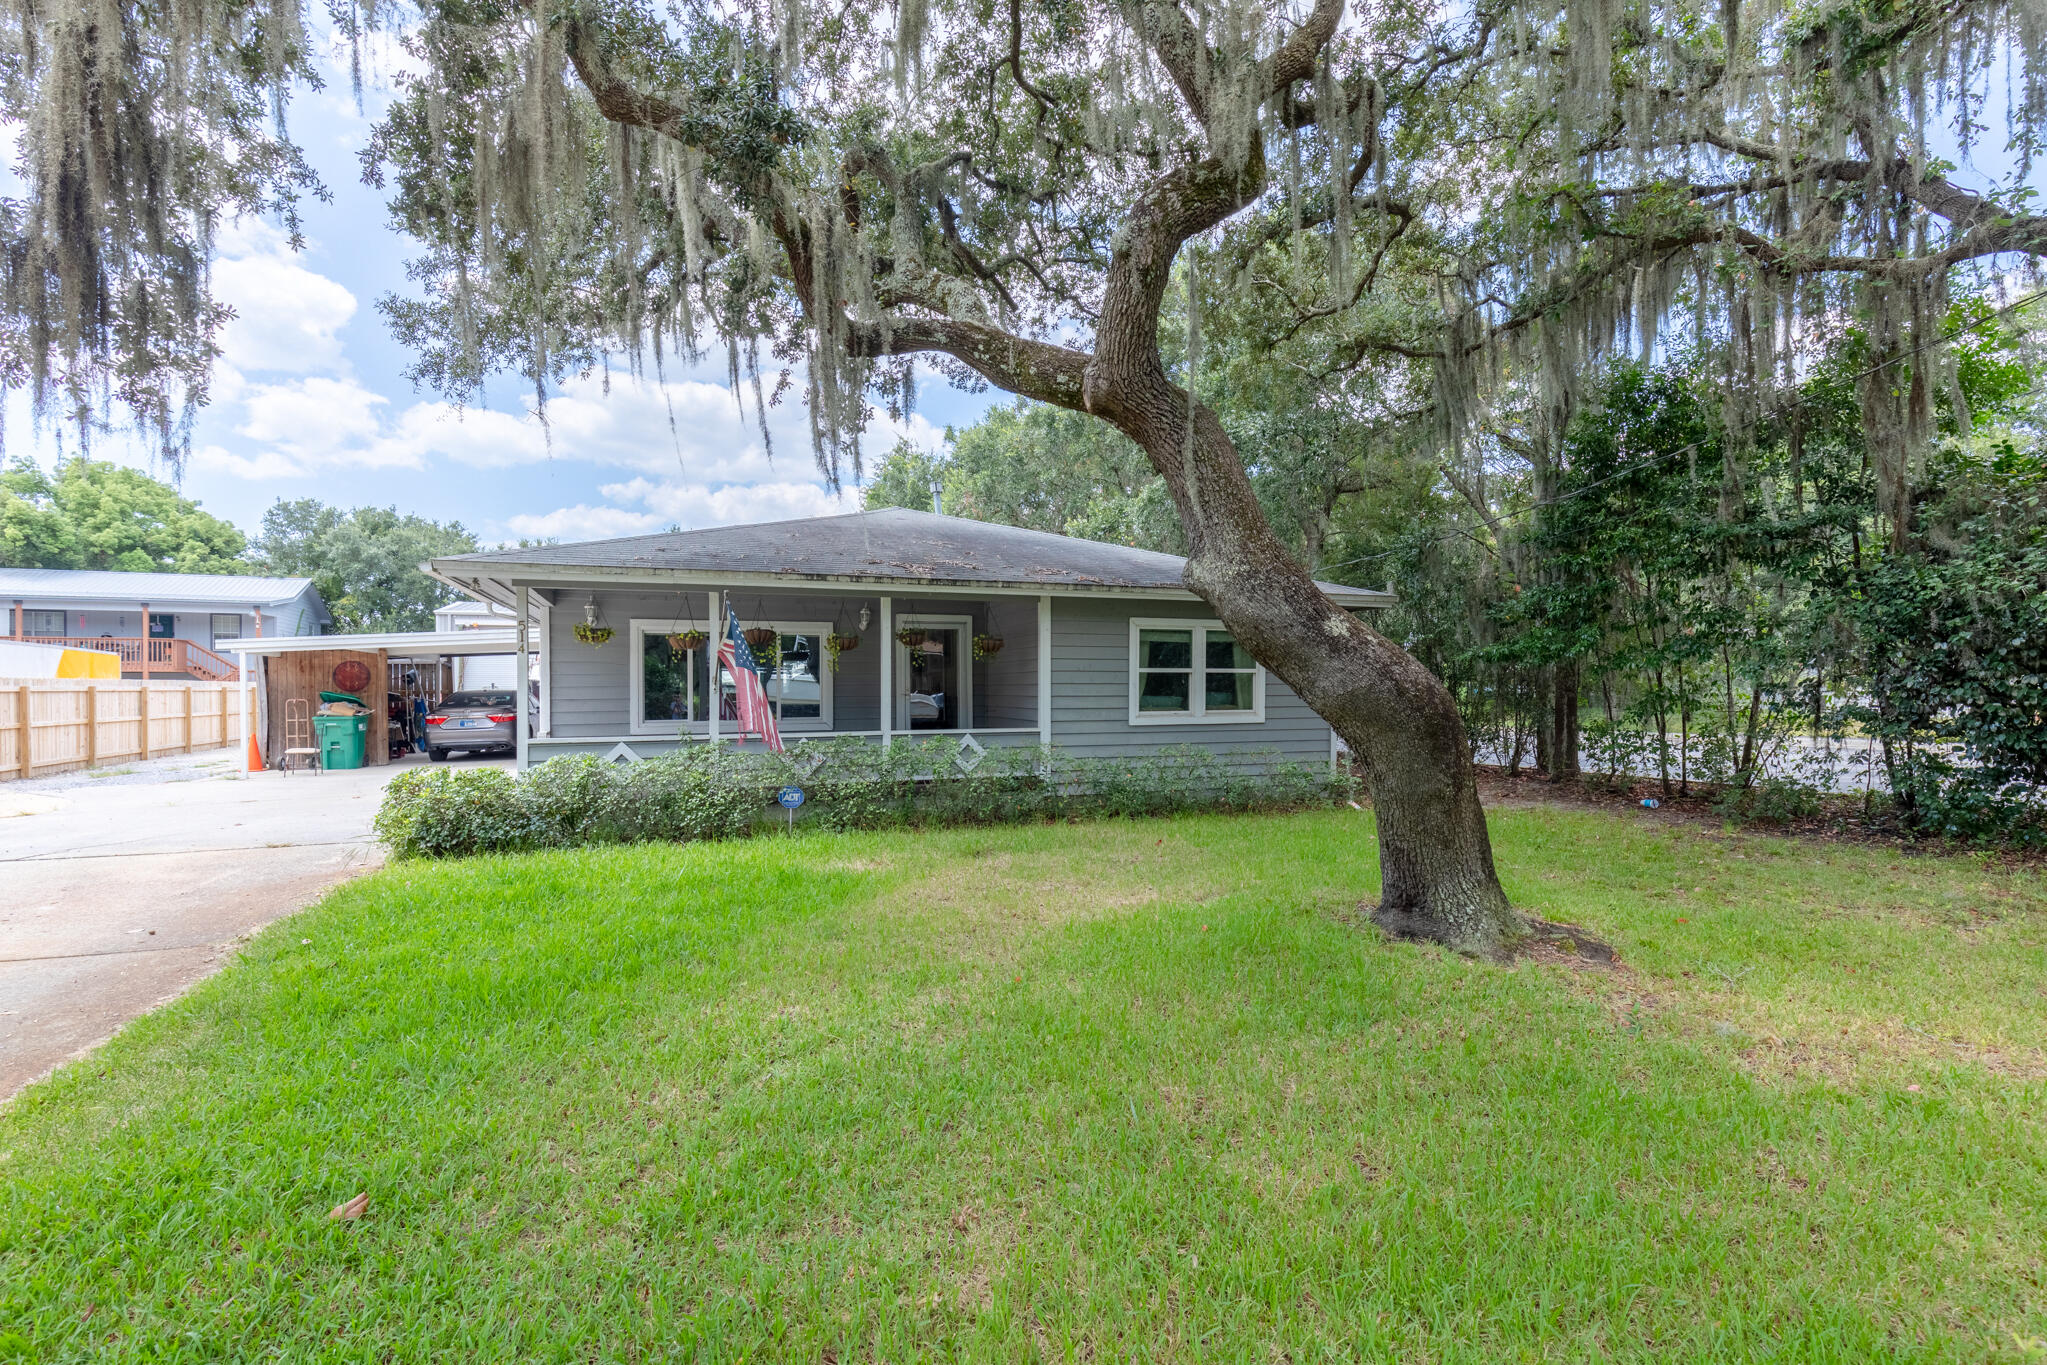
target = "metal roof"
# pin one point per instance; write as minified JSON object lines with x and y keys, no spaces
{"x":887,"y":547}
{"x":98,"y":585}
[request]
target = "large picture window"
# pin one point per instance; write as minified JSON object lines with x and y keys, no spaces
{"x":1192,"y":672}
{"x":798,"y":684}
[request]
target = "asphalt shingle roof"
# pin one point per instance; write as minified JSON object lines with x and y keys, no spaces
{"x":889,"y":544}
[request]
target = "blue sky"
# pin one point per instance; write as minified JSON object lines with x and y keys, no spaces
{"x":311,"y":399}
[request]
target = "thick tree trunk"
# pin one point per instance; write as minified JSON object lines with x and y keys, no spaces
{"x":1400,"y":721}
{"x":1562,"y":722}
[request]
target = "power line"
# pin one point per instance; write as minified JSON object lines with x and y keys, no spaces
{"x":1668,"y":456}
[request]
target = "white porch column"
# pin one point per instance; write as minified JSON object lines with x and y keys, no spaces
{"x":1045,"y":669}
{"x":716,"y":620}
{"x":521,"y":675}
{"x":544,"y":722}
{"x":888,"y":669}
{"x":248,"y":711}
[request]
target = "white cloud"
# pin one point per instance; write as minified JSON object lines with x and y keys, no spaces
{"x":480,"y":437}
{"x":267,"y":464}
{"x":687,"y":429}
{"x":322,"y":421}
{"x":693,"y":504}
{"x":288,"y":319}
{"x":583,"y":522}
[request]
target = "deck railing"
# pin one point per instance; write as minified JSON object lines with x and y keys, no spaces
{"x":165,"y":656}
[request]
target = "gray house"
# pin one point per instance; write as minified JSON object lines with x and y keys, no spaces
{"x":886,"y":623}
{"x":161,"y":624}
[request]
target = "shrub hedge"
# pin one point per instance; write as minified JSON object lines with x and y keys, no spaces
{"x":708,"y":792}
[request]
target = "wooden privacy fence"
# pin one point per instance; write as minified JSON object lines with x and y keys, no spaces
{"x":49,"y":726}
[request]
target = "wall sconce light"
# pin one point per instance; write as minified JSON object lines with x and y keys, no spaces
{"x":590,"y":612}
{"x":865,"y":616}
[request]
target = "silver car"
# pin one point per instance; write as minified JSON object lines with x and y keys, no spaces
{"x":470,"y":720}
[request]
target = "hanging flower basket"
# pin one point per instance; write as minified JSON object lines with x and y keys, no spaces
{"x":835,"y":645}
{"x":987,"y":646}
{"x":683,"y":641}
{"x":760,"y":637}
{"x":909,"y":637}
{"x":593,"y":636}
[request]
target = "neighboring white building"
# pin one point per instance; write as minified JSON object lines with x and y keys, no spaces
{"x":189,"y":621}
{"x":474,"y":672}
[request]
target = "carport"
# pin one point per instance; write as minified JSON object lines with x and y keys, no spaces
{"x":408,"y":663}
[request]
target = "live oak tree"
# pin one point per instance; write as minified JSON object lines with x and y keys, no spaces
{"x":1498,"y":194}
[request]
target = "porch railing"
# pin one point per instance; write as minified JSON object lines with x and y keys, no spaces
{"x":165,"y":656}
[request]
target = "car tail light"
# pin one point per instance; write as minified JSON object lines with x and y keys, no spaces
{"x":436,"y":720}
{"x":505,"y":719}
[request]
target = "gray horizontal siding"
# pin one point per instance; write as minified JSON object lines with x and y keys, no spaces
{"x":1090,"y":672}
{"x":591,"y":688}
{"x":1091,"y":692}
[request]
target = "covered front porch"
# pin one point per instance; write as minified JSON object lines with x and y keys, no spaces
{"x":630,"y":673}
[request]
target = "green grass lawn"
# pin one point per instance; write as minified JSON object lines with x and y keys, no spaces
{"x":1131,"y":1089}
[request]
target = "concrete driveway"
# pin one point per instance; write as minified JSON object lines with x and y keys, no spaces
{"x":119,"y":888}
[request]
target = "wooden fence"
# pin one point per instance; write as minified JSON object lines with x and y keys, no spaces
{"x":57,"y":726}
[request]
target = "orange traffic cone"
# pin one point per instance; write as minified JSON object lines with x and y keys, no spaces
{"x":255,"y":756}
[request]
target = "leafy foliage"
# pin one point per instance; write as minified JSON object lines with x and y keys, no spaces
{"x":1954,"y":643}
{"x":93,"y":515}
{"x":708,"y":792}
{"x":365,"y":561}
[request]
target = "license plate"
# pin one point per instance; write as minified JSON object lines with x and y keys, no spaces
{"x":471,"y":724}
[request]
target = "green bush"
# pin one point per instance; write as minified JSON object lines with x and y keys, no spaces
{"x":1770,"y":800}
{"x":452,"y":813}
{"x":709,"y":792}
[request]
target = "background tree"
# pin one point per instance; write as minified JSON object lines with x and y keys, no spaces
{"x":88,"y":514}
{"x":905,"y":478}
{"x":365,"y":562}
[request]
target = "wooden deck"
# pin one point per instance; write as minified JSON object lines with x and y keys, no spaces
{"x":168,"y":657}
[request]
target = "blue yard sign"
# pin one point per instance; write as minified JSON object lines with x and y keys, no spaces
{"x":790,"y":797}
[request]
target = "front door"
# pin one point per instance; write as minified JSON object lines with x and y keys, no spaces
{"x":935,"y":675}
{"x":162,"y":625}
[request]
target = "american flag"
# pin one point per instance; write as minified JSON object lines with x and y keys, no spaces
{"x":756,"y":715}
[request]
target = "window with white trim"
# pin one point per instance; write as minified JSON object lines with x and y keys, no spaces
{"x":795,"y":677}
{"x":671,"y":687}
{"x":226,"y":626}
{"x":42,"y":622}
{"x":1184,"y":672}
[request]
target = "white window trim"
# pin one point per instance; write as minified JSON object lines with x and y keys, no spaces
{"x":802,"y":724}
{"x":965,"y":626}
{"x":1197,"y":695}
{"x":636,"y":630}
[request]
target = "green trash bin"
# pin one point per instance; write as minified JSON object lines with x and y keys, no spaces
{"x":342,"y":740}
